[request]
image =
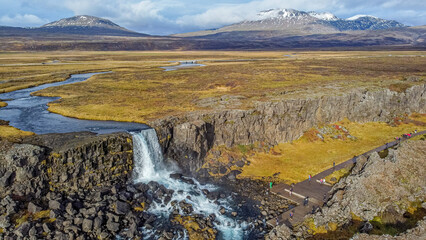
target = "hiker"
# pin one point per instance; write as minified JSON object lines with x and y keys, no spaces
{"x":310,"y":178}
{"x":415,"y":131}
{"x":354,"y":160}
{"x":291,"y":191}
{"x":291,"y":215}
{"x":313,"y":209}
{"x":277,"y":221}
{"x":306,"y":201}
{"x":334,"y":165}
{"x":270,"y":185}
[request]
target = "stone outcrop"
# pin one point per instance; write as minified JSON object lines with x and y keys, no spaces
{"x":22,"y":171}
{"x":188,"y":138}
{"x":416,"y":233}
{"x":94,"y":161}
{"x":73,"y":186}
{"x":377,"y":189}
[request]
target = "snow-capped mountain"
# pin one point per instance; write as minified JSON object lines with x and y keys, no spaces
{"x":364,"y":22}
{"x":291,"y":22}
{"x":293,"y":14}
{"x":87,"y":25}
{"x":84,"y":21}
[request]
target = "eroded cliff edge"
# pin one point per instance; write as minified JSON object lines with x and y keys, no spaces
{"x":379,"y":191}
{"x":188,"y":138}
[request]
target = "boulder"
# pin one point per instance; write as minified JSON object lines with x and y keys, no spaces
{"x":121,"y":208}
{"x":113,"y":227}
{"x":23,"y":229}
{"x":32,"y":208}
{"x":54,"y":205}
{"x":87,"y":225}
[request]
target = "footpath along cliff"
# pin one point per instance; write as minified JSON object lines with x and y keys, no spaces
{"x":381,"y":195}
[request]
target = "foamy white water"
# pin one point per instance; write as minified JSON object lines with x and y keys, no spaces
{"x":150,"y":166}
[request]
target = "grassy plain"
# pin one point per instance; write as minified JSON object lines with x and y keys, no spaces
{"x":138,"y":90}
{"x":12,"y":134}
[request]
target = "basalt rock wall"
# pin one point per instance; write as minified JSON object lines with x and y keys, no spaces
{"x":95,"y":161}
{"x":66,"y":162}
{"x":187,"y":139}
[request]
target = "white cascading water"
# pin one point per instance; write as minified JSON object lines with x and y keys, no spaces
{"x":149,"y":166}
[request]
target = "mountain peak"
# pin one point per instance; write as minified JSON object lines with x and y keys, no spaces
{"x":323,"y":16}
{"x":356,"y":17}
{"x":288,"y":13}
{"x":280,"y":13}
{"x":88,"y":25}
{"x":84,"y":21}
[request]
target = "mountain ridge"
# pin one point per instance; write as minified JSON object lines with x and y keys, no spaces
{"x":292,"y":22}
{"x":76,"y":25}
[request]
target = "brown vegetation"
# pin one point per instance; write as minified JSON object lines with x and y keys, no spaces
{"x":138,"y":90}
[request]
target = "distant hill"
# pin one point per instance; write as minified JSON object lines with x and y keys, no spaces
{"x":77,"y":25}
{"x":290,"y":22}
{"x":271,"y":30}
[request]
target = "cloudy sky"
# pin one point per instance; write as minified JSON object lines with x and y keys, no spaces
{"x":164,"y":17}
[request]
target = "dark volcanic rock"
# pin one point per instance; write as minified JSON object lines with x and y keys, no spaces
{"x":121,"y":208}
{"x":188,"y":138}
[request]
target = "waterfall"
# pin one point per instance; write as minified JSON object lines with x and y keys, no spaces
{"x":148,"y":156}
{"x":150,"y":166}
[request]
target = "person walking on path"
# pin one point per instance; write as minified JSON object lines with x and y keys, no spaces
{"x":306,"y":201}
{"x":354,"y":160}
{"x":291,"y":214}
{"x":270,"y":185}
{"x":310,"y":177}
{"x":334,"y":166}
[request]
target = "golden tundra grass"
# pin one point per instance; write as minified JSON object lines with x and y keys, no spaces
{"x":296,"y":160}
{"x":12,"y":134}
{"x":138,"y":90}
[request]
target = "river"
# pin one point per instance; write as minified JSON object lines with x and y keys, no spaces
{"x":29,"y":113}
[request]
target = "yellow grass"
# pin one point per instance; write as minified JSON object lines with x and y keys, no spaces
{"x":12,"y":133}
{"x":138,"y":90}
{"x":296,"y":160}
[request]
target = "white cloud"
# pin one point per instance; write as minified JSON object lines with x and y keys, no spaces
{"x":231,"y":13}
{"x":171,"y":16}
{"x":26,"y":20}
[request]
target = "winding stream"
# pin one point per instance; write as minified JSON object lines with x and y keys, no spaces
{"x":29,"y":113}
{"x":183,"y":64}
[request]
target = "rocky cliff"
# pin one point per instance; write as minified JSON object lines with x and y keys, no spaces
{"x":378,"y":192}
{"x":71,"y":186}
{"x":188,"y":138}
{"x":65,"y":162}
